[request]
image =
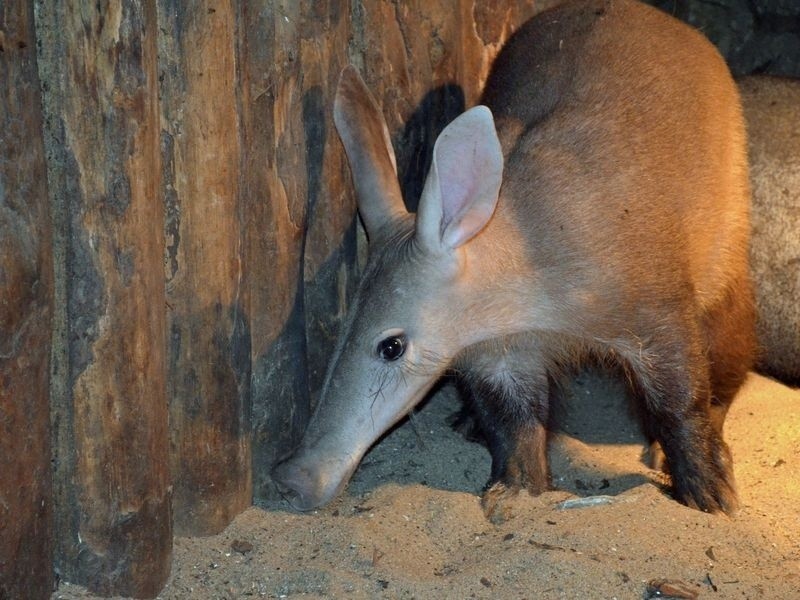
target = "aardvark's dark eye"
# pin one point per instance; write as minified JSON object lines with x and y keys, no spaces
{"x":392,"y":347}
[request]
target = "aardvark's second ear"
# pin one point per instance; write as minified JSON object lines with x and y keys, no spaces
{"x":463,"y":184}
{"x":365,"y":137}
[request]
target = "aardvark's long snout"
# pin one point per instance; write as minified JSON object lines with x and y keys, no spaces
{"x":307,"y":482}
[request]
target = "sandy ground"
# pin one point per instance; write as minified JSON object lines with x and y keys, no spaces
{"x":410,"y":523}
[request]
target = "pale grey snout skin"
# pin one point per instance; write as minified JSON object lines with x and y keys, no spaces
{"x":340,"y":432}
{"x":308,"y":482}
{"x":322,"y":465}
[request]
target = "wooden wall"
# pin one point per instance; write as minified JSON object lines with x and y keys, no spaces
{"x":108,"y":397}
{"x":196,"y":243}
{"x":26,"y":303}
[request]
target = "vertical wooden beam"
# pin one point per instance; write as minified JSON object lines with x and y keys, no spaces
{"x":209,"y":334}
{"x":113,"y":521}
{"x":329,"y":254}
{"x":275,"y":203}
{"x":26,"y":298}
{"x":301,"y":230}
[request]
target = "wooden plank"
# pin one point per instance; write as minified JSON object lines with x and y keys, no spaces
{"x":274,"y":193}
{"x":209,"y":338}
{"x":109,"y":408}
{"x":330,"y":251}
{"x":26,"y":298}
{"x":301,"y":230}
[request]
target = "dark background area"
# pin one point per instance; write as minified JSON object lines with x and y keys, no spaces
{"x":754,"y":36}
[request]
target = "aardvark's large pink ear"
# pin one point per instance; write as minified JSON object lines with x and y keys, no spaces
{"x":463,"y":184}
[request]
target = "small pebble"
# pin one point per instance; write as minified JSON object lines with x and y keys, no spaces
{"x":669,"y":589}
{"x":584,"y":502}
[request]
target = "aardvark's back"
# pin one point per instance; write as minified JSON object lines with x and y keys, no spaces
{"x":624,"y":141}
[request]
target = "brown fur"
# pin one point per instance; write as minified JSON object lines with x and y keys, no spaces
{"x":626,"y":176}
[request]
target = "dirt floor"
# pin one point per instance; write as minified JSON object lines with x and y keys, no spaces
{"x":410,"y":523}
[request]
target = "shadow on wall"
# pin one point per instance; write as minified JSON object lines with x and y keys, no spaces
{"x":414,"y":144}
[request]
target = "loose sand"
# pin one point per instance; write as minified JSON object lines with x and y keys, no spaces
{"x":410,"y":523}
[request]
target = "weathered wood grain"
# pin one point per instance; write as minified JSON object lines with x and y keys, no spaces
{"x":209,"y":333}
{"x":329,"y":256}
{"x":301,"y":215}
{"x":108,"y":402}
{"x":26,"y":298}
